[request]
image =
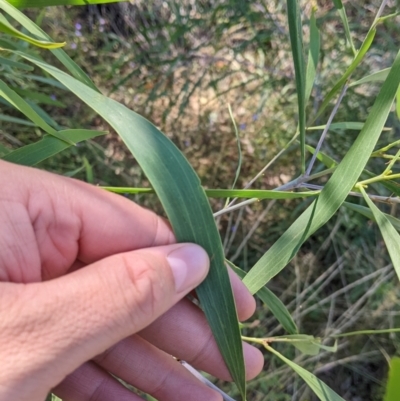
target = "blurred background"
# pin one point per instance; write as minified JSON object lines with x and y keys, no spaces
{"x":181,"y":63}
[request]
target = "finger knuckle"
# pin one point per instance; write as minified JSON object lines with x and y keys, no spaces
{"x":147,"y":286}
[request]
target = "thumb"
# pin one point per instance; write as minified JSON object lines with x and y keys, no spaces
{"x":73,"y":318}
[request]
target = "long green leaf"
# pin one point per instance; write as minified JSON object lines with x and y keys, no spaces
{"x":186,"y":205}
{"x":63,"y":57}
{"x":389,"y":234}
{"x":35,"y":153}
{"x":296,"y":42}
{"x":313,"y":56}
{"x":228,"y":193}
{"x":308,"y":345}
{"x":365,"y":211}
{"x":375,"y":77}
{"x":44,"y":115}
{"x":3,"y":150}
{"x":335,"y":191}
{"x":392,"y":186}
{"x":342,"y":13}
{"x":8,"y":44}
{"x":357,"y":60}
{"x":15,"y":64}
{"x":350,"y":125}
{"x":275,"y":305}
{"x":323,"y":157}
{"x":367,"y":332}
{"x":278,"y":309}
{"x":47,"y":81}
{"x":321,"y":390}
{"x":239,"y":148}
{"x":20,"y":104}
{"x":393,"y":384}
{"x":39,"y":98}
{"x":48,"y":3}
{"x":6,"y":27}
{"x":16,"y":120}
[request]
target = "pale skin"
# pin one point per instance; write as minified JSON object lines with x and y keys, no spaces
{"x":92,"y":284}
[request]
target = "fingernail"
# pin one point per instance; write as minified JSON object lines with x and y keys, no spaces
{"x":189,"y":264}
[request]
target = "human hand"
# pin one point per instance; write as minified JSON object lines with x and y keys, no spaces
{"x":81,"y":271}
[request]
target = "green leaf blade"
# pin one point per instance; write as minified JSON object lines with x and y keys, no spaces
{"x":342,"y":13}
{"x":275,"y":305}
{"x":313,"y":56}
{"x":335,"y":191}
{"x":393,"y":385}
{"x":354,"y":64}
{"x":296,"y":42}
{"x":24,"y":107}
{"x":389,"y":234}
{"x":49,"y":146}
{"x":72,"y":67}
{"x":10,"y":30}
{"x":321,"y":390}
{"x":365,"y":211}
{"x":374,"y":77}
{"x":49,"y":3}
{"x":186,"y":205}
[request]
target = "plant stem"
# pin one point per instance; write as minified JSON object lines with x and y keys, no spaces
{"x":366,"y":332}
{"x":388,"y":169}
{"x":262,"y":171}
{"x":302,"y":179}
{"x":386,"y":148}
{"x":383,"y":199}
{"x":235,"y":207}
{"x":325,"y":131}
{"x":378,"y":178}
{"x":253,"y":340}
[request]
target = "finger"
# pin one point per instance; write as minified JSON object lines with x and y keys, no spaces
{"x":78,"y":316}
{"x":186,"y":335}
{"x":89,"y":382}
{"x":154,"y":372}
{"x":74,"y":220}
{"x":245,"y":302}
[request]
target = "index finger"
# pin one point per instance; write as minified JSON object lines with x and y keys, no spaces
{"x":76,"y":220}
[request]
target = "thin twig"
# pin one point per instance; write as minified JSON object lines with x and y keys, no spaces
{"x":345,"y":361}
{"x":344,"y":290}
{"x":348,"y":318}
{"x":235,"y":207}
{"x":325,"y":131}
{"x":252,"y":230}
{"x":299,"y":180}
{"x":380,"y":11}
{"x":235,"y":230}
{"x":262,"y":171}
{"x":207,"y":382}
{"x":377,"y":198}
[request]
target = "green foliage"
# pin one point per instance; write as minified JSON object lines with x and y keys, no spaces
{"x":186,"y":205}
{"x":49,"y":146}
{"x":47,"y":3}
{"x":393,"y":385}
{"x":296,"y":40}
{"x":179,"y":48}
{"x":275,"y":305}
{"x":335,"y":191}
{"x":323,"y":392}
